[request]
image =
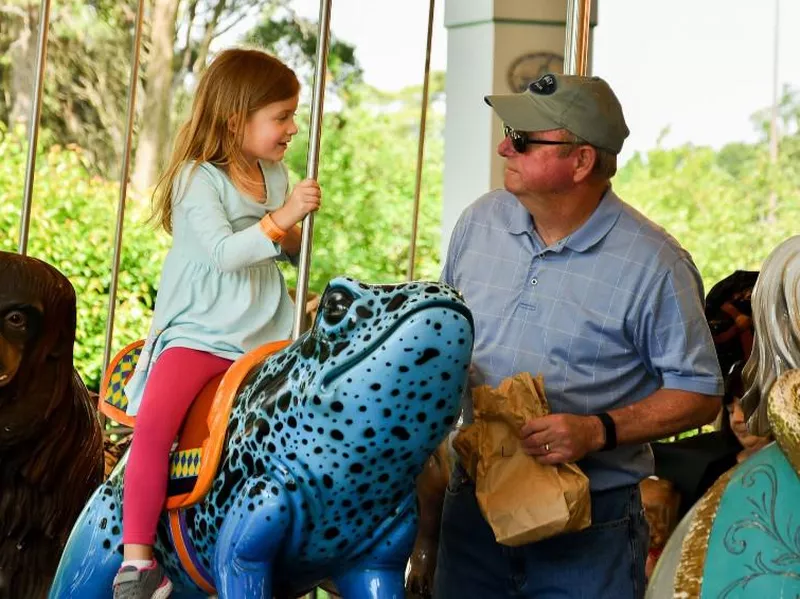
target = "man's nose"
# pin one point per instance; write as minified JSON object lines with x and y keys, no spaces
{"x":505,"y":149}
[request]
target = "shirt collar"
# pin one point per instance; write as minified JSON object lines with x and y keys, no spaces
{"x":599,"y":224}
{"x":589,"y":234}
{"x":519,"y":220}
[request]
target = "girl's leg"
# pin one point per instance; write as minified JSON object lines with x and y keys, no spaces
{"x":178,"y":375}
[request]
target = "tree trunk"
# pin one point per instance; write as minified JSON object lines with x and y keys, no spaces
{"x":22,"y":54}
{"x":187,"y":47}
{"x":208,"y":35}
{"x":155,"y":126}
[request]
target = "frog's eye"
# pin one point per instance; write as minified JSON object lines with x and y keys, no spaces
{"x":335,"y":305}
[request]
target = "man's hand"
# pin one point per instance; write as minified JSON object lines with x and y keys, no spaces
{"x":561,"y":438}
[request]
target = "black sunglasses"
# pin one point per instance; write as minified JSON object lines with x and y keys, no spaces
{"x":520,"y":140}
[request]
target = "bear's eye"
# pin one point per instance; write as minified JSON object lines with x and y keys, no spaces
{"x":16,"y":319}
{"x":336,"y":304}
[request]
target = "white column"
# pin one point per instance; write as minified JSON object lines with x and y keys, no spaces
{"x":493,"y":47}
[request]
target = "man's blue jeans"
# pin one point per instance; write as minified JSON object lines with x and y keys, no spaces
{"x":604,"y":561}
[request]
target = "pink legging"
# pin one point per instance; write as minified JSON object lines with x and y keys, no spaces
{"x":176,"y":378}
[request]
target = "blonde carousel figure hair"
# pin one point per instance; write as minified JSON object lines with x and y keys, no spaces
{"x":776,"y":343}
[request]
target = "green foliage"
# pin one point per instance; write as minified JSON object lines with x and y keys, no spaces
{"x":88,"y":67}
{"x":717,"y":204}
{"x":87,"y":72}
{"x":294,"y":40}
{"x":367,"y":169}
{"x":72,"y":227}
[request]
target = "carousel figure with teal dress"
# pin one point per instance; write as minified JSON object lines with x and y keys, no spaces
{"x":742,"y":539}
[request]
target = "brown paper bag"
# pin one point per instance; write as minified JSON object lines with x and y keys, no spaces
{"x":523,"y":501}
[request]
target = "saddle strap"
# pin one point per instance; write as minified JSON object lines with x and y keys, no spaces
{"x":188,"y":556}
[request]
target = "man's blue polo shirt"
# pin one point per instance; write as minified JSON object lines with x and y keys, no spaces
{"x":608,"y":315}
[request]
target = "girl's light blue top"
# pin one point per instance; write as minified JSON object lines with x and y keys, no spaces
{"x":220,"y":290}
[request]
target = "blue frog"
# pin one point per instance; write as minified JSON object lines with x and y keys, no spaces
{"x":324,"y":443}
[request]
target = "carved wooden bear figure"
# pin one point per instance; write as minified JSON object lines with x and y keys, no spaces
{"x":51,"y":451}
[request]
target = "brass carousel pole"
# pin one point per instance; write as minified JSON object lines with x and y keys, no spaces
{"x":312,"y":168}
{"x":123,"y":183}
{"x":33,"y":136}
{"x":576,"y":46}
{"x":421,"y":146}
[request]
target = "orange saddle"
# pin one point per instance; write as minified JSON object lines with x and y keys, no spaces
{"x":194,"y":462}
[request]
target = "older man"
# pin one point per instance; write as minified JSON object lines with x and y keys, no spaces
{"x":566,"y":280}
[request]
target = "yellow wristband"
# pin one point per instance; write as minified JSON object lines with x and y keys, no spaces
{"x":271,"y":230}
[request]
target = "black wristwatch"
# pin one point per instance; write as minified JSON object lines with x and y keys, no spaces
{"x":611,"y":431}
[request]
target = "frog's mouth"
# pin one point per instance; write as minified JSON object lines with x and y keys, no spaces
{"x":461,"y":309}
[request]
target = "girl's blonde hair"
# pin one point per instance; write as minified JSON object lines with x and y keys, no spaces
{"x":237,"y":83}
{"x":776,"y":343}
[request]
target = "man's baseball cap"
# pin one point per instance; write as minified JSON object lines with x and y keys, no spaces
{"x":584,"y":106}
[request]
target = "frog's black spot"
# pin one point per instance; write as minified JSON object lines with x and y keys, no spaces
{"x":397,"y":301}
{"x":427,"y":355}
{"x":401,"y":433}
{"x":364,"y":312}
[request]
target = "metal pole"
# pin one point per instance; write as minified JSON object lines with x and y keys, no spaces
{"x":123,"y":183}
{"x":33,"y":136}
{"x":312,"y":167}
{"x":421,"y":146}
{"x":576,"y":46}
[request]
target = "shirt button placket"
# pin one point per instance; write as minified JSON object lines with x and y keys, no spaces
{"x":533,"y":281}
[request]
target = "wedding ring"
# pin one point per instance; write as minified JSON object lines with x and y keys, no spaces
{"x":547,"y":447}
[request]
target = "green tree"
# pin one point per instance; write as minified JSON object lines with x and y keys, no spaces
{"x":367,"y":172}
{"x":294,"y":39}
{"x":86,"y":77}
{"x":717,"y":204}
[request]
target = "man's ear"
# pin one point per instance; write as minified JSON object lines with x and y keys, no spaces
{"x":586,"y":158}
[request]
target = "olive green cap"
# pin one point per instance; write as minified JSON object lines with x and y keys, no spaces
{"x":584,"y":106}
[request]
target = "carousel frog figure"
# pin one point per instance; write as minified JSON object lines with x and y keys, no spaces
{"x":742,"y":538}
{"x":317,"y":445}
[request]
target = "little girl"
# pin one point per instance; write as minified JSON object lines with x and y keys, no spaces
{"x":224,"y":199}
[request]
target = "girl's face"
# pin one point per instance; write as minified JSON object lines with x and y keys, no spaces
{"x":739,"y":426}
{"x":269,"y":130}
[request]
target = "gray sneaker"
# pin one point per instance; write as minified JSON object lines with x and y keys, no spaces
{"x":149,"y":583}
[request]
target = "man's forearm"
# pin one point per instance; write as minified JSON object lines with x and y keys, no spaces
{"x":560,"y":438}
{"x":664,"y":413}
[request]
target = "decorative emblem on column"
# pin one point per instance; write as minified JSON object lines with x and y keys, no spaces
{"x":530,"y":67}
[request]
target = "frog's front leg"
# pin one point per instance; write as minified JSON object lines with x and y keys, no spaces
{"x":380,"y":574}
{"x":249,"y":538}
